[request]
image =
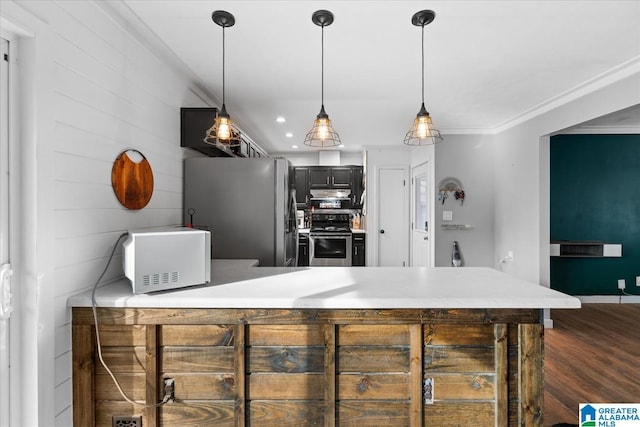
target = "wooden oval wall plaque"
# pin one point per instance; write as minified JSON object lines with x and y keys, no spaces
{"x":132,"y":181}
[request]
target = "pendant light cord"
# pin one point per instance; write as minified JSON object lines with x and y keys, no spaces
{"x":223,"y":65}
{"x":322,"y":67}
{"x":422,"y":64}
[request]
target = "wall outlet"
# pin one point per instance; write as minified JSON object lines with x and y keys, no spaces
{"x":621,"y":284}
{"x":637,"y":280}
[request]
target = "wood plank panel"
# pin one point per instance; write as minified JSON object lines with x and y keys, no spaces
{"x":122,"y":336}
{"x":457,"y":414}
{"x":151,"y":367}
{"x":365,"y":335}
{"x":464,"y":387}
{"x":374,"y":386}
{"x":285,"y":386}
{"x":133,"y":385}
{"x":200,"y":316}
{"x":446,"y":334}
{"x":202,"y":386}
{"x":373,"y":359}
{"x":285,"y":359}
{"x":83,"y":344}
{"x":240,"y":374}
{"x":416,"y":371}
{"x":290,"y":413}
{"x":329,"y":338}
{"x":197,"y":359}
{"x":501,"y":370}
{"x":122,"y":359}
{"x":196,"y":335}
{"x":197,"y":414}
{"x":376,"y":413}
{"x":285,"y":335}
{"x":459,"y":359}
{"x":530,"y":374}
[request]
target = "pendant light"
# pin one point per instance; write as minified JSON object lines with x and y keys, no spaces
{"x":223,"y":132}
{"x":423,"y":131}
{"x":322,"y":133}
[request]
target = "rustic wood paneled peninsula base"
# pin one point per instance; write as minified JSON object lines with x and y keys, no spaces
{"x":277,"y":346}
{"x":326,"y":367}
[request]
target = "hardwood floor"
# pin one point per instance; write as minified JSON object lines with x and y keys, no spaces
{"x":592,"y":355}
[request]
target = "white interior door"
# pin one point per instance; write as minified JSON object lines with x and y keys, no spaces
{"x":5,"y":270}
{"x":420,"y":216}
{"x":392,"y":217}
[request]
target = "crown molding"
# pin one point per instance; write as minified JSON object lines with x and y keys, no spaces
{"x":605,"y":79}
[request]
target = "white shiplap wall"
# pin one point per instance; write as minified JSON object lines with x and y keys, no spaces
{"x":103,"y":92}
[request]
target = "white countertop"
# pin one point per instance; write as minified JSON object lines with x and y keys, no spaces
{"x":235,"y":284}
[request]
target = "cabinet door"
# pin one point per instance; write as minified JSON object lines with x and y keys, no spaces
{"x":341,"y":177}
{"x":303,"y":250}
{"x":301,"y":177}
{"x":357,"y":187}
{"x":319,"y":177}
{"x":358,"y":255}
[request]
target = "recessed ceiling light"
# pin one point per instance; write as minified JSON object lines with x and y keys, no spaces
{"x":341,"y":146}
{"x":280,"y":119}
{"x":294,"y":146}
{"x":288,"y":135}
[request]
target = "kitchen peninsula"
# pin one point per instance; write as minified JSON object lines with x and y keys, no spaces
{"x":318,"y":346}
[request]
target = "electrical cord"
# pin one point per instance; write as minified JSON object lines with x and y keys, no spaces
{"x":167,"y":396}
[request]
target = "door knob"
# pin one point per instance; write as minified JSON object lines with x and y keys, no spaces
{"x":425,"y":238}
{"x":381,"y":231}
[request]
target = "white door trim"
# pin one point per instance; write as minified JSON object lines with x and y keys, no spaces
{"x":430,"y":214}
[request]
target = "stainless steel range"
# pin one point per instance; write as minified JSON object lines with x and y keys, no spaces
{"x":330,"y":239}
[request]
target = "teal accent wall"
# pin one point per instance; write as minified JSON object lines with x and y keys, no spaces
{"x":595,"y":195}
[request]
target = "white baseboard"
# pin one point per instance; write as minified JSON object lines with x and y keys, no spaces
{"x":609,"y":299}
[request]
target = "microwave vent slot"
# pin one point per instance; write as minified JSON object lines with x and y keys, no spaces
{"x":161,"y":278}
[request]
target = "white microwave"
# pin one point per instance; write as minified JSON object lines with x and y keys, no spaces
{"x":163,"y":258}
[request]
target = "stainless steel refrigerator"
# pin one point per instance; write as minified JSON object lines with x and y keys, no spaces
{"x":249,"y":205}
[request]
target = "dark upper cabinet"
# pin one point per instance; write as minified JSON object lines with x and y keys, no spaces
{"x":319,"y":177}
{"x":322,"y":177}
{"x":341,"y":177}
{"x":194,"y":123}
{"x":357,"y":187}
{"x":301,"y":177}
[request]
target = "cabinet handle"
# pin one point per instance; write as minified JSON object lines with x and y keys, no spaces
{"x":356,"y":250}
{"x":381,"y":231}
{"x":333,"y":180}
{"x":327,"y":180}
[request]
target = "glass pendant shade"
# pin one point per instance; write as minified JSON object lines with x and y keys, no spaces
{"x":322,"y":133}
{"x":223,"y":131}
{"x":423,"y":132}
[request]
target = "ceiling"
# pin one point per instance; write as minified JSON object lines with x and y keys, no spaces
{"x":488,"y":64}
